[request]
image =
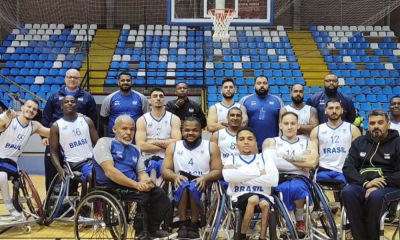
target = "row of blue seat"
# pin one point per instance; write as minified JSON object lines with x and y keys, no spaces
{"x":359,"y":52}
{"x":53,"y":38}
{"x":359,"y":59}
{"x":158,"y":81}
{"x":33,"y":72}
{"x":350,"y":39}
{"x":211,"y":82}
{"x":41,"y":64}
{"x":359,"y":45}
{"x":366,"y":73}
{"x":31,"y":79}
{"x":372,"y":81}
{"x":40,"y":57}
{"x":352,"y":66}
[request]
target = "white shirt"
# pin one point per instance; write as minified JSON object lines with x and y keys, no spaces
{"x":246,"y":177}
{"x":304,"y":115}
{"x":14,"y":139}
{"x":395,"y":126}
{"x":334,"y":145}
{"x":157,"y":130}
{"x":74,"y":139}
{"x":226,"y":144}
{"x":222,"y":110}
{"x":194,"y":161}
{"x":296,"y":148}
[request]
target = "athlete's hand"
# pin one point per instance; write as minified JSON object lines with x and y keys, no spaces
{"x":143,"y":187}
{"x":369,"y":191}
{"x":200,"y":183}
{"x":61,"y":174}
{"x":178,"y":181}
{"x":377,"y":182}
{"x":11,"y":113}
{"x":45,"y":142}
{"x":149,"y":181}
{"x":225,"y":124}
{"x":180,"y":102}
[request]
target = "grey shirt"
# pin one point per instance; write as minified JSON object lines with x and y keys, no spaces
{"x":17,"y":103}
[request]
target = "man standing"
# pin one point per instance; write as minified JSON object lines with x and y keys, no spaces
{"x":75,"y":136}
{"x":191,"y":164}
{"x":333,"y":139}
{"x":394,"y":109}
{"x":15,"y":131}
{"x":183,"y":107}
{"x":320,"y":99}
{"x":226,"y":138}
{"x":125,"y":101}
{"x":263,"y":111}
{"x":17,"y":101}
{"x":250,"y":177}
{"x":52,"y":112}
{"x":292,"y":156}
{"x":216,"y":119}
{"x":372,"y":169}
{"x":307,"y":115}
{"x":156,"y":130}
{"x":119,"y":167}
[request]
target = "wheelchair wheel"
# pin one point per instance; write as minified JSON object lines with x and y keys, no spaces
{"x":211,"y":219}
{"x":31,"y":197}
{"x":237,"y":225}
{"x":286,"y":228}
{"x":325,"y":214}
{"x":100,"y":216}
{"x":54,"y":199}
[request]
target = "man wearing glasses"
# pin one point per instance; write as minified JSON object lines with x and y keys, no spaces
{"x":319,"y":100}
{"x":52,"y":112}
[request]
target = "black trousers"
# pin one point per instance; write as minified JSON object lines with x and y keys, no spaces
{"x":49,"y":170}
{"x":364,"y":214}
{"x":155,"y":203}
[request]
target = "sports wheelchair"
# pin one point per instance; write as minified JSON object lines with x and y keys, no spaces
{"x":62,"y":197}
{"x":26,"y":201}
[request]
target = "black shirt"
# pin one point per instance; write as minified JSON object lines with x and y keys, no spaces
{"x":189,"y":109}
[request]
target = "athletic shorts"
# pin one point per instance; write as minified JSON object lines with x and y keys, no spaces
{"x":242,"y":201}
{"x":293,"y":190}
{"x":10,"y":167}
{"x":84,"y":168}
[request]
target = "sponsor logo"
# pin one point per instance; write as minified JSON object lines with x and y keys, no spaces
{"x":386,"y":155}
{"x":363,"y":154}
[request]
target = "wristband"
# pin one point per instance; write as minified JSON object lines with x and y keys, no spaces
{"x":365,"y":184}
{"x":4,"y":117}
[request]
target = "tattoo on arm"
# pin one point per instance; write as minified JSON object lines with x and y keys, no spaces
{"x":314,"y":117}
{"x":291,"y":158}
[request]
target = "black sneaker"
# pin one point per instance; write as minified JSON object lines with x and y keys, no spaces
{"x":162,"y":235}
{"x":182,"y":232}
{"x":193,"y":233}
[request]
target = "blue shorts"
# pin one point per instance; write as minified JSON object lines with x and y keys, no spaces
{"x":85,"y":169}
{"x":10,"y":167}
{"x":156,"y":165}
{"x":326,"y":175}
{"x":191,"y":186}
{"x":224,"y":184}
{"x":293,"y":190}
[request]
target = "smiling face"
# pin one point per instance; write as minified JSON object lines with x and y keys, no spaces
{"x":394,"y":107}
{"x":125,"y":83}
{"x":29,"y":109}
{"x":69,"y":105}
{"x":72,"y":79}
{"x":191,"y":131}
{"x":234,"y":118}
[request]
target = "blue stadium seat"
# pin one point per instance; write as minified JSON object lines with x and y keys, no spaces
{"x":386,"y":106}
{"x":290,"y":81}
{"x":243,"y":90}
{"x":387,"y":90}
{"x":366,"y":90}
{"x":390,"y":81}
{"x":356,"y":90}
{"x":250,"y":81}
{"x":376,"y":106}
{"x":396,"y":90}
{"x":365,"y":107}
{"x":371,"y":98}
{"x":240,"y":81}
{"x":314,"y":89}
{"x":346,"y":90}
{"x":280,"y":81}
{"x":361,"y":98}
{"x":274,"y":90}
{"x":370,"y":82}
{"x":381,"y":98}
{"x":284,"y":90}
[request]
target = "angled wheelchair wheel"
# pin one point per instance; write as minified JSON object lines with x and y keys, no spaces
{"x":237,"y":224}
{"x":54,"y":199}
{"x":31,"y":198}
{"x":285,"y":226}
{"x":100,"y":216}
{"x":325,"y":214}
{"x":211,"y":215}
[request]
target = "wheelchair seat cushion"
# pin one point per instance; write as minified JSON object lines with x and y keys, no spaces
{"x":331,"y":182}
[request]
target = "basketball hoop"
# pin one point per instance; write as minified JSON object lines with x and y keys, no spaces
{"x":221,"y":19}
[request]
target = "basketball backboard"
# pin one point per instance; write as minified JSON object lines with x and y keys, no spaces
{"x":195,"y":12}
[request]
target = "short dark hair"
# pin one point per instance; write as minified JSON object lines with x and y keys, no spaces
{"x":33,"y":100}
{"x":379,"y":112}
{"x":261,"y":76}
{"x":156,"y":89}
{"x":333,"y":100}
{"x":245,"y":129}
{"x":176,"y":85}
{"x":234,"y":108}
{"x":125,"y":73}
{"x":397,"y":96}
{"x":227,"y":80}
{"x":291,"y":88}
{"x":290,"y":113}
{"x":193,"y":119}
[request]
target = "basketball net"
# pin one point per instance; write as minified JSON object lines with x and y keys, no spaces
{"x":221,"y":19}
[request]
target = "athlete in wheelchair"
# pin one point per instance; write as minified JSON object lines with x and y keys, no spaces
{"x":372,"y":169}
{"x":15,"y":132}
{"x":191,"y":164}
{"x":124,"y":192}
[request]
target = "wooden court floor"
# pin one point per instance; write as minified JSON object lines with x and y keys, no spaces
{"x":61,"y":231}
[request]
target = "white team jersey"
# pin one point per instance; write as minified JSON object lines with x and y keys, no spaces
{"x":226,"y":144}
{"x":14,"y":138}
{"x":334,"y":145}
{"x":157,"y":130}
{"x":304,"y":116}
{"x":222,"y":110}
{"x":395,"y":126}
{"x":248,"y":163}
{"x":296,"y":148}
{"x":74,"y":138}
{"x":193,"y":161}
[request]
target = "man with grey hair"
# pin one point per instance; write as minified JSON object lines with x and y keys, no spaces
{"x":86,"y":105}
{"x":119,"y":167}
{"x":372,"y":169}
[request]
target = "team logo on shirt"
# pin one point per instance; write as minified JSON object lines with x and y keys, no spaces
{"x":60,"y":98}
{"x":191,"y":110}
{"x":117,"y":103}
{"x":301,"y":146}
{"x":202,"y":152}
{"x":20,"y":137}
{"x":344,"y":131}
{"x":223,"y":137}
{"x":362,"y":154}
{"x":119,"y":154}
{"x":386,"y":155}
{"x":220,"y":110}
{"x":324,"y":132}
{"x":64,"y":128}
{"x":271,"y":103}
{"x":15,"y":127}
{"x":134,"y":102}
{"x":180,"y":153}
{"x":280,"y":144}
{"x":80,"y":99}
{"x":253,"y":103}
{"x":238,"y":164}
{"x":166,"y":122}
{"x":134,"y":158}
{"x":150,"y":125}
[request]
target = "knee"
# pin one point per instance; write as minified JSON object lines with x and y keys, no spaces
{"x":264,"y":205}
{"x":253,"y":201}
{"x":375,"y":197}
{"x":348,"y":191}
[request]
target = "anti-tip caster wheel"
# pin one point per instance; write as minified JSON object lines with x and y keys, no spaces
{"x":28,"y":229}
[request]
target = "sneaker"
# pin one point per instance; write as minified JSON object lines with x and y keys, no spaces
{"x":162,"y":235}
{"x":182,"y":232}
{"x":193,"y":233}
{"x":301,"y":229}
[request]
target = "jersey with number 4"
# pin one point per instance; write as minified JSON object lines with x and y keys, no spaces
{"x":74,"y":138}
{"x":334,"y":145}
{"x":226,"y":144}
{"x":194,"y":161}
{"x":296,"y":148}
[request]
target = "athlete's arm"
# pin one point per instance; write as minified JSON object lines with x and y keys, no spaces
{"x":176,"y":134}
{"x":92,"y":130}
{"x":105,"y":111}
{"x":355,"y":132}
{"x":215,"y":164}
{"x":39,"y":129}
{"x":314,"y":136}
{"x":141,"y":138}
{"x":270,"y":176}
{"x":54,"y":149}
{"x":268,"y":143}
{"x":167,"y":168}
{"x":245,"y":118}
{"x":309,"y":158}
{"x":214,"y":138}
{"x":212,"y":120}
{"x":233,"y":175}
{"x":306,"y":129}
{"x":6,"y":117}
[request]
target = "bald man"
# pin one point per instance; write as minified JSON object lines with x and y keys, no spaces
{"x":319,"y":100}
{"x":86,"y":105}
